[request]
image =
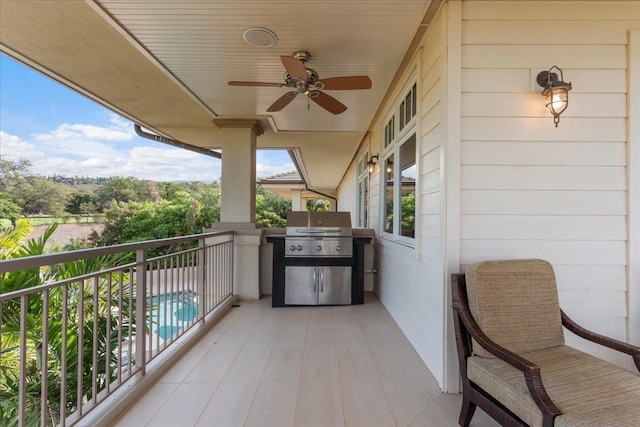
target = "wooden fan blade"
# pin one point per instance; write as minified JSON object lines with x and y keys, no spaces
{"x":327,"y":102}
{"x":261,"y":84}
{"x":294,"y":67}
{"x":347,"y":83}
{"x":282,"y":102}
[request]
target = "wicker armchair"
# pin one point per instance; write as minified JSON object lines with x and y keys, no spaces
{"x":513,"y":359}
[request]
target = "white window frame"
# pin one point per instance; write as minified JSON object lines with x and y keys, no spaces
{"x":362,"y":200}
{"x":391,"y":147}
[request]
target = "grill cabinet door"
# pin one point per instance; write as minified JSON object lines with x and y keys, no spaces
{"x":335,"y":285}
{"x":301,"y":285}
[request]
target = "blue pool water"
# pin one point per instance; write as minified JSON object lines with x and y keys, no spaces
{"x":170,"y":312}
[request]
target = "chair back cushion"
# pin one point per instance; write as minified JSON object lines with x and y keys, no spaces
{"x":515,"y":302}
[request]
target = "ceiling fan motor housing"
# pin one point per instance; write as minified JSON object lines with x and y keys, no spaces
{"x":312,"y":78}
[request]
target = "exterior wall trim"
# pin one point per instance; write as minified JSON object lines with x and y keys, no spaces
{"x":633,"y":182}
{"x":450,"y":181}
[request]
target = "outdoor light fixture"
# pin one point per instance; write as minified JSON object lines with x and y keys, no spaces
{"x":389,"y":167}
{"x":371,"y":164}
{"x":555,"y":90}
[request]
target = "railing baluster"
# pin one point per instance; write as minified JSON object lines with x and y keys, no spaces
{"x":130,"y":333}
{"x":120,"y":296}
{"x":157,"y":306}
{"x":108,"y":334}
{"x":79,"y":378}
{"x":22,"y":387}
{"x":96,"y":326}
{"x":229,"y":284}
{"x":63,"y":361}
{"x":141,"y":294}
{"x":44,"y":371}
{"x":164,"y":293}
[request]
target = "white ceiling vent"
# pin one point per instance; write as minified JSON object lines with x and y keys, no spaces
{"x":260,"y":37}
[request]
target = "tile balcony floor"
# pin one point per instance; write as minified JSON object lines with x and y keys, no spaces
{"x":300,"y":366}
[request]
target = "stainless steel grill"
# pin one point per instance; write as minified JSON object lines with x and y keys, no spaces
{"x":318,"y":234}
{"x":318,"y":258}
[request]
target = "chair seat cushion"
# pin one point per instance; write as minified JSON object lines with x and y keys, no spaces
{"x":588,"y":390}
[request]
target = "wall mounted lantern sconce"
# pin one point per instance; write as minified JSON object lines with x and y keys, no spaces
{"x":389,"y":167}
{"x":371,"y":164}
{"x":556,"y":90}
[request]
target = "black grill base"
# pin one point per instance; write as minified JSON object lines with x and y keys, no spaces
{"x":280,"y":262}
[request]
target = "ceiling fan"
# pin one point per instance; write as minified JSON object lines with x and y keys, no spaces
{"x":306,"y":81}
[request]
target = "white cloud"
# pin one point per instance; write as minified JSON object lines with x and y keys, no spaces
{"x":13,"y":148}
{"x":266,"y":170}
{"x":115,"y":150}
{"x":119,"y":130}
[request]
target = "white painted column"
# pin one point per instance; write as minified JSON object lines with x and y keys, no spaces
{"x":238,"y":170}
{"x":296,"y":201}
{"x":450,"y":173}
{"x":238,"y":207}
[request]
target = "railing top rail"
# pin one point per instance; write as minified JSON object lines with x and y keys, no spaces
{"x":17,"y":264}
{"x":48,"y":286}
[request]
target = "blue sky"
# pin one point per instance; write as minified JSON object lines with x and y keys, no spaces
{"x":61,"y":132}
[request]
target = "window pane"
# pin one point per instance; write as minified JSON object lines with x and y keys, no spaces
{"x":408,"y":190}
{"x":388,"y":195}
{"x":414,"y":101}
{"x":363,"y":198}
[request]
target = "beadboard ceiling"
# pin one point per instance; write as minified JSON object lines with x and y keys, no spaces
{"x":165,"y":64}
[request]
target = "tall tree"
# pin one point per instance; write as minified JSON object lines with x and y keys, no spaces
{"x":32,"y":193}
{"x":271,"y":209}
{"x":117,"y":189}
{"x":9,"y":209}
{"x":79,"y":198}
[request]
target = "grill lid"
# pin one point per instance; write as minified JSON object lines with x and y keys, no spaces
{"x":300,"y":223}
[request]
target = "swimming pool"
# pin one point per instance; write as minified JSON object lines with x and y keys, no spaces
{"x":169,"y":313}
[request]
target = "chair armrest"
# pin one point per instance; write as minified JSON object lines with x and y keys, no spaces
{"x":614,"y":344}
{"x":530,"y":370}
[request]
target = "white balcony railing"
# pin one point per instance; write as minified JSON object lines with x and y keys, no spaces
{"x":67,"y":345}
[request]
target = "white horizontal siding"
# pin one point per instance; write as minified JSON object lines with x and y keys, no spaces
{"x":534,"y":56}
{"x":538,"y":10}
{"x":529,"y":189}
{"x":542,"y":129}
{"x":546,"y":32}
{"x":505,"y":80}
{"x":544,"y":153}
{"x":577,"y":252}
{"x":521,"y":177}
{"x":529,"y":104}
{"x":591,"y":278}
{"x":548,"y":227}
{"x":540,"y":202}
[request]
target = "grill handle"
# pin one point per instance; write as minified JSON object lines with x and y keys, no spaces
{"x":316,"y":231}
{"x":315,"y":279}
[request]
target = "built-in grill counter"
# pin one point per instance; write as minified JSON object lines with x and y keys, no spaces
{"x":318,"y":261}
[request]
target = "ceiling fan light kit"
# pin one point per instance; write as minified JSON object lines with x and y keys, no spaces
{"x":306,"y":81}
